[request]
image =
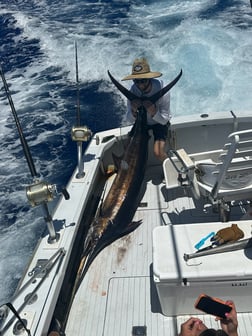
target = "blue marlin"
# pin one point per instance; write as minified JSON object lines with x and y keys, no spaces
{"x":118,"y":209}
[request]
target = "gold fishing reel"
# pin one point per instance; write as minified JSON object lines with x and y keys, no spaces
{"x":81,"y":133}
{"x":40,"y":192}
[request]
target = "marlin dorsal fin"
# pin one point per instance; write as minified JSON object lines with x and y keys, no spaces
{"x":131,"y":96}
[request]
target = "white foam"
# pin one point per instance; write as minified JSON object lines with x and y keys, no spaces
{"x":212,"y":53}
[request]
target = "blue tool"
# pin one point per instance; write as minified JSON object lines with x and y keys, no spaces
{"x":202,"y":241}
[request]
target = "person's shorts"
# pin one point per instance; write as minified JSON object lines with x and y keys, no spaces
{"x":159,"y":131}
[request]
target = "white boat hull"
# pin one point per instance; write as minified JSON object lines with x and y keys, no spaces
{"x":119,"y":291}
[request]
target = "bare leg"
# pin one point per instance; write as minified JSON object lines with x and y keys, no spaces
{"x":159,"y":150}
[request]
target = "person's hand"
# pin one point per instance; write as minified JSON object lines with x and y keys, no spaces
{"x":230,"y":323}
{"x":150,"y":107}
{"x":135,"y":104}
{"x":192,"y":327}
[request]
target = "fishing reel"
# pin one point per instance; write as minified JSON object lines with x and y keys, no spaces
{"x":81,"y":133}
{"x":41,"y":192}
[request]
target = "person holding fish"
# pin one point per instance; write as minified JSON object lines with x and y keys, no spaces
{"x":146,"y":84}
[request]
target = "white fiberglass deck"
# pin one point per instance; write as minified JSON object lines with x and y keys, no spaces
{"x":118,"y":292}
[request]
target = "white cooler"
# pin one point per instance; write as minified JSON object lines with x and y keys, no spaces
{"x":227,"y":275}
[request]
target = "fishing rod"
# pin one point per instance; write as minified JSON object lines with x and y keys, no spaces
{"x":40,"y":192}
{"x":78,"y":118}
{"x":228,"y":247}
{"x":79,"y":133}
{"x":19,"y":128}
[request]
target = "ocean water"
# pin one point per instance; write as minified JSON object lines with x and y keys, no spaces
{"x":210,"y":40}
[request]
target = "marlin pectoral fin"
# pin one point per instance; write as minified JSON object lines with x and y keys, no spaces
{"x":131,"y":227}
{"x":131,"y":96}
{"x":128,"y":94}
{"x":165,"y":89}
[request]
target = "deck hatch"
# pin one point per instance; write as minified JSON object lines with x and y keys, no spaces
{"x":125,"y":293}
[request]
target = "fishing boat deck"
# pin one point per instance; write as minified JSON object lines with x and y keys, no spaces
{"x":118,"y":292}
{"x":140,"y":284}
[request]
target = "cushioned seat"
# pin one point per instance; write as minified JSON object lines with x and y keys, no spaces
{"x":207,"y":173}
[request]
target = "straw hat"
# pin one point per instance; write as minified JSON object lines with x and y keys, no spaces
{"x":141,"y":70}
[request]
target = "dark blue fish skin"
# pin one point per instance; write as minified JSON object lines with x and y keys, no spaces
{"x":120,"y":204}
{"x":118,"y":209}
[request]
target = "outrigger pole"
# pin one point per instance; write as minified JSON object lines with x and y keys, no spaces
{"x":40,"y":192}
{"x":79,"y":133}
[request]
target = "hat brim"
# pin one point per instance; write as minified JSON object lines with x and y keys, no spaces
{"x":147,"y":75}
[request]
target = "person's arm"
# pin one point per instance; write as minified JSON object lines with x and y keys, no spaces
{"x":192,"y":327}
{"x":163,"y":114}
{"x":230,"y":323}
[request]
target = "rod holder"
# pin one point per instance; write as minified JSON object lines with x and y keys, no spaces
{"x":80,"y":134}
{"x":53,"y":235}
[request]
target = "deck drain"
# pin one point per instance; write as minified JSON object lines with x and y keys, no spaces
{"x":143,"y":205}
{"x":139,"y":331}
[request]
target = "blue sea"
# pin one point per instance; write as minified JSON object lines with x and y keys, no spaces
{"x":210,"y":40}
